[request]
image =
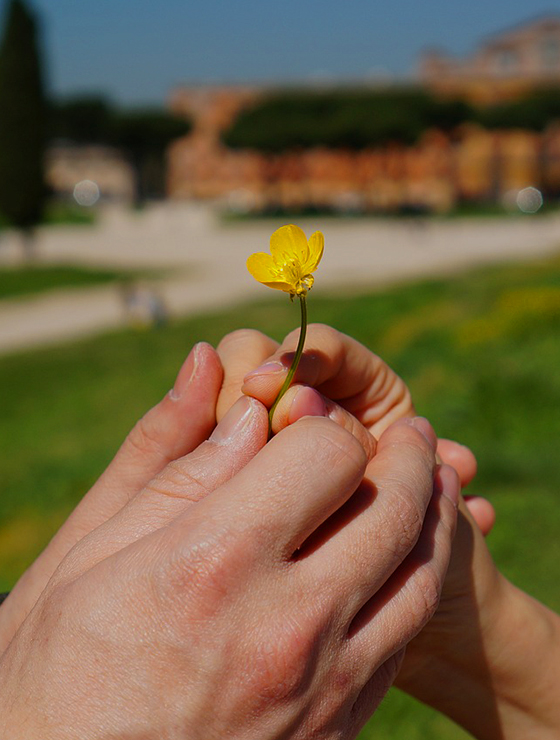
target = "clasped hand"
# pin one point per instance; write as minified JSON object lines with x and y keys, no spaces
{"x":212,"y":584}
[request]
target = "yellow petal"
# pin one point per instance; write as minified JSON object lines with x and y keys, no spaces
{"x":289,"y":243}
{"x":281,"y":286}
{"x":316,"y":246}
{"x":262,"y":267}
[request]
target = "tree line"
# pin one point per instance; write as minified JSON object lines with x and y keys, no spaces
{"x":29,"y":121}
{"x":357,"y":119}
{"x":142,"y":134}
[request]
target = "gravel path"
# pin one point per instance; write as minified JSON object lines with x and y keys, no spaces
{"x":204,"y":260}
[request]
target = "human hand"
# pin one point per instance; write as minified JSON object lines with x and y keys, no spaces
{"x":346,"y":372}
{"x":278,"y":604}
{"x":490,"y":657}
{"x":179,"y":423}
{"x":341,"y":369}
{"x":470,"y":596}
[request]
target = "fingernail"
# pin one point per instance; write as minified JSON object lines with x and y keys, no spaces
{"x":269,"y":368}
{"x":425,"y":428}
{"x":234,"y":421}
{"x":186,"y":374}
{"x":306,"y":402}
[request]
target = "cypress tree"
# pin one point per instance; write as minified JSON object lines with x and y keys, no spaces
{"x":23,"y":113}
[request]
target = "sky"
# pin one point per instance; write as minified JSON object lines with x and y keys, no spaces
{"x":137,"y":51}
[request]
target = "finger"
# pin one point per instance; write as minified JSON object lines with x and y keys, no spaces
{"x":340,"y":368}
{"x":409,"y":599}
{"x":301,"y":400}
{"x":375,"y":690}
{"x":180,"y":422}
{"x":235,"y":441}
{"x":459,"y":457}
{"x":294,"y":483}
{"x":482,"y":512}
{"x":240,"y":352}
{"x":174,"y":427}
{"x":382,"y":521}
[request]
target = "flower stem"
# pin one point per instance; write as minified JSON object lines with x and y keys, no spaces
{"x":295,"y":362}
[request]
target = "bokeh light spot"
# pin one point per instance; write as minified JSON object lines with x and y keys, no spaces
{"x":86,"y":193}
{"x":529,"y":200}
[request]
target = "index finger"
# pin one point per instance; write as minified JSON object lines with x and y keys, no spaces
{"x":340,"y":368}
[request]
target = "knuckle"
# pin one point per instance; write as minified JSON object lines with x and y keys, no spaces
{"x":178,"y":480}
{"x":403,"y":405}
{"x":280,"y":661}
{"x":241,"y":338}
{"x":195,"y":578}
{"x":324,"y":331}
{"x":320,"y":334}
{"x":409,"y":524}
{"x":388,"y":397}
{"x":143,"y":437}
{"x":416,"y":471}
{"x":330,"y":440}
{"x":387,"y":672}
{"x":425,"y":594}
{"x":405,"y":515}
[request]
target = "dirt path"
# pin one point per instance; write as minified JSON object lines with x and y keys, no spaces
{"x":205,"y":261}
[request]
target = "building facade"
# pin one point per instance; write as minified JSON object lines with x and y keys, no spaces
{"x":503,"y":66}
{"x":438,"y":172}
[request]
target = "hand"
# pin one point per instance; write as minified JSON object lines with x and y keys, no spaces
{"x":179,"y":423}
{"x":360,"y":391}
{"x":278,"y":604}
{"x":348,"y":376}
{"x":489,"y":658}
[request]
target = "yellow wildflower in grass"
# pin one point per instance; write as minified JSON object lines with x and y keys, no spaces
{"x":289,"y":267}
{"x":291,"y":261}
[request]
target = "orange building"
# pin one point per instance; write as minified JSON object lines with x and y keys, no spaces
{"x":435,"y":174}
{"x":504,"y":65}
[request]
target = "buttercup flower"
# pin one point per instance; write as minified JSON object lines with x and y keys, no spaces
{"x":291,"y":261}
{"x":289,"y":267}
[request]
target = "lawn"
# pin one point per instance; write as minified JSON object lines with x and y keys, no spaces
{"x":480,"y":352}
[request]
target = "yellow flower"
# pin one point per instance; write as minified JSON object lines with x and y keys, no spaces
{"x":291,"y":261}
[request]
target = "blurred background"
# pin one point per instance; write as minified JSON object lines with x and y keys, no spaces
{"x":145,"y":153}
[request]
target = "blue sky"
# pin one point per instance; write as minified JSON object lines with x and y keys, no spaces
{"x":136,"y":51}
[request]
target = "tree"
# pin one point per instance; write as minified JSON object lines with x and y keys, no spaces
{"x":81,"y":120}
{"x":145,"y":135}
{"x":532,"y":112}
{"x":22,"y":121}
{"x":342,"y":119}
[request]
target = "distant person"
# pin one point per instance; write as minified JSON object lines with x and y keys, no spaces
{"x":236,"y":588}
{"x":143,"y":305}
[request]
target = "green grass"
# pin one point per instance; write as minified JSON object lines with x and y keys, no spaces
{"x":62,"y":212}
{"x":480,"y":352}
{"x":31,"y":279}
{"x":461,"y":210}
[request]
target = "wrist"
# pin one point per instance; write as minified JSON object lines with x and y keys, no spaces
{"x":499,"y":682}
{"x":522,"y":650}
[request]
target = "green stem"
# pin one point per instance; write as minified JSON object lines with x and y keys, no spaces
{"x":295,"y":362}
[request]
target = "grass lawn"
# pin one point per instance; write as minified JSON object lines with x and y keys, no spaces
{"x":481,"y":353}
{"x":31,"y":279}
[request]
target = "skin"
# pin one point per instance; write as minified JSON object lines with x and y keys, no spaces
{"x":457,"y":662}
{"x":489,"y":645}
{"x":182,"y":420}
{"x":284,"y":578}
